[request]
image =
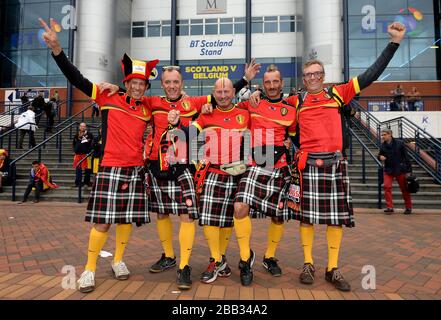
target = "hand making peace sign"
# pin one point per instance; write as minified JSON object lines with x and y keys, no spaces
{"x":50,"y":36}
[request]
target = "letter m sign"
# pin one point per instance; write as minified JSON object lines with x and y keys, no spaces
{"x":211,"y":6}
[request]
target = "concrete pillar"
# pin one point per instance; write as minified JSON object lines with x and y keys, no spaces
{"x":323,"y":36}
{"x":95,"y":39}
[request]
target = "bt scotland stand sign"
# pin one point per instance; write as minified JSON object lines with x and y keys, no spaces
{"x":211,"y":48}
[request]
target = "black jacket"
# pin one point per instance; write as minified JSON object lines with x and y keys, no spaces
{"x":38,"y":103}
{"x":81,"y":146}
{"x":397,"y":159}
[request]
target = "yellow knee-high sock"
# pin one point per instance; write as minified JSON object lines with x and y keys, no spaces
{"x":123,"y":232}
{"x":275,"y":233}
{"x":224,"y":239}
{"x":96,"y":243}
{"x":186,"y":239}
{"x":243,"y":235}
{"x":165,"y":231}
{"x":334,"y":234}
{"x":212,"y":236}
{"x":307,"y":238}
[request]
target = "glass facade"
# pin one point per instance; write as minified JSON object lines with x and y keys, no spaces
{"x":270,"y":24}
{"x":416,"y":58}
{"x":25,"y":60}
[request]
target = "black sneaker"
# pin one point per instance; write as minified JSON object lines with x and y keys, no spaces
{"x":388,"y":210}
{"x":270,"y":264}
{"x":335,"y":277}
{"x":184,"y":278}
{"x":212,"y":271}
{"x":408,"y":211}
{"x":227,"y":270}
{"x":246,"y":274}
{"x":163,"y":264}
{"x":307,"y":275}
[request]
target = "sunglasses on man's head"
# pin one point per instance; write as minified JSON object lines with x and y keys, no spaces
{"x":171,"y":68}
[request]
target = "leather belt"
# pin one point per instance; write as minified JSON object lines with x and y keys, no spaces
{"x":324,"y":159}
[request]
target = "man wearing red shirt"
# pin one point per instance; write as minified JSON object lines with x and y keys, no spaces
{"x":171,"y":187}
{"x":118,"y":195}
{"x":325,"y":196}
{"x":222,"y":132}
{"x":261,"y":187}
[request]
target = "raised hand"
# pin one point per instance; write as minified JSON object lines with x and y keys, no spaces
{"x":103,"y":86}
{"x":252,"y":69}
{"x":50,"y":36}
{"x":396,"y":31}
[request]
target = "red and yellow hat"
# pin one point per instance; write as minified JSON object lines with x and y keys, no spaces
{"x":137,"y":68}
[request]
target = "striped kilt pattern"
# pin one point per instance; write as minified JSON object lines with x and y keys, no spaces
{"x":118,"y":196}
{"x":174,"y":196}
{"x":326,"y":196}
{"x":216,"y":203}
{"x":263,"y":190}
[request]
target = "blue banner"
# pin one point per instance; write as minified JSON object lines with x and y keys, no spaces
{"x":232,"y":71}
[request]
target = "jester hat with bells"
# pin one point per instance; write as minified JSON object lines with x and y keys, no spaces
{"x":144,"y":70}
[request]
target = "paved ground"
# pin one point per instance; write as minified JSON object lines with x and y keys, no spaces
{"x":38,"y":240}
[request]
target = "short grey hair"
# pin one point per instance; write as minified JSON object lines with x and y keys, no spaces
{"x":387,"y":130}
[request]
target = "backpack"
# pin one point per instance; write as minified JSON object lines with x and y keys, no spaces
{"x":346,"y":112}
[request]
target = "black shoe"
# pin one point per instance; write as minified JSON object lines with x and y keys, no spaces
{"x":212,"y":271}
{"x":164,"y":263}
{"x":407,"y":211}
{"x":184,"y":278}
{"x":227,"y":271}
{"x":270,"y":264}
{"x":307,"y":275}
{"x":335,"y":277}
{"x":246,"y":274}
{"x":388,"y":210}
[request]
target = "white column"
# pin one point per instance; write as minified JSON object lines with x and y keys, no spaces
{"x":95,"y":39}
{"x":323,"y":35}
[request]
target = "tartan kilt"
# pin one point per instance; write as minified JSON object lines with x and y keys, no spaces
{"x":118,"y":196}
{"x":173,"y":196}
{"x":263,"y":190}
{"x":326,"y":196}
{"x":216,"y":203}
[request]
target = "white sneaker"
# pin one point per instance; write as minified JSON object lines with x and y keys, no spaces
{"x":86,"y":283}
{"x":120,"y":271}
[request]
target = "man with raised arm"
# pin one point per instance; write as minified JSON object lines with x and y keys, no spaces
{"x":118,"y":195}
{"x":320,"y":184}
{"x":221,"y":165}
{"x":171,"y":185}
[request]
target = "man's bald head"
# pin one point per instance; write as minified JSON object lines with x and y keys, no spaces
{"x":223,"y":83}
{"x":223,"y":92}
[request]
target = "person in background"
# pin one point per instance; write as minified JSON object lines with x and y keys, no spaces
{"x":95,"y":110}
{"x":49,"y":109}
{"x":82,"y":145}
{"x":414,"y":102}
{"x":26,"y":124}
{"x":24,"y":103}
{"x":397,"y":103}
{"x":97,"y":152}
{"x":396,"y":165}
{"x":4,"y":168}
{"x":39,"y":177}
{"x":38,"y":103}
